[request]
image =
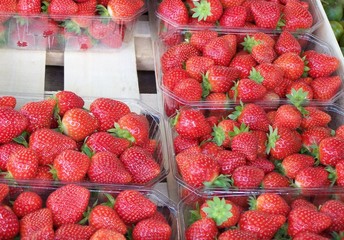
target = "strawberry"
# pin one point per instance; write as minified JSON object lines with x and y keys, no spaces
{"x":340,"y":132}
{"x":219,"y":79}
{"x":309,"y":236}
{"x":68,"y":203}
{"x":314,"y":117}
{"x":236,"y":234}
{"x":331,"y":151}
{"x":8,"y":7}
{"x":197,"y":66}
{"x":199,"y":39}
{"x":302,"y":203}
{"x":204,"y":228}
{"x":281,"y":89}
{"x":266,"y":14}
{"x":105,"y":142}
{"x":313,"y":136}
{"x":219,"y":50}
{"x":180,"y":143}
{"x":26,"y":203}
{"x":291,"y":64}
{"x":210,"y":148}
{"x":320,"y":64}
{"x":246,"y":143}
{"x":325,"y":88}
{"x":262,"y":139}
{"x":221,"y":132}
{"x":115,"y":38}
{"x":174,"y":10}
{"x":5,"y":151}
{"x":105,"y":217}
{"x":271,"y":75}
{"x":270,"y":203}
{"x":66,"y":100}
{"x":140,"y":164}
{"x":334,"y":209}
{"x":132,"y":206}
{"x":247,"y":177}
{"x":70,"y":166}
{"x":121,"y":9}
{"x":152,"y":229}
{"x":312,"y":177}
{"x":260,"y":51}
{"x":229,"y":161}
{"x":107,"y":234}
{"x":8,"y":101}
{"x":105,"y":167}
{"x":60,"y":9}
{"x":4,"y":190}
{"x":275,"y":180}
{"x":85,"y":8}
{"x":304,"y":219}
{"x":231,"y":3}
{"x":282,"y":142}
{"x":100,"y":30}
{"x":292,"y":164}
{"x":266,"y":165}
{"x":263,"y":225}
{"x":207,"y":10}
{"x":23,"y":164}
{"x":248,"y":90}
{"x":9,"y":224}
{"x":172,"y":77}
{"x":38,"y":223}
{"x":288,"y":116}
{"x":191,"y":123}
{"x":175,"y":56}
{"x":243,"y":62}
{"x":300,"y":87}
{"x":43,"y":173}
{"x":296,"y":16}
{"x":224,"y":212}
{"x":188,"y":90}
{"x":31,"y":7}
{"x":286,"y":42}
{"x":78,"y":124}
{"x":74,"y":231}
{"x":16,"y":123}
{"x":234,"y":16}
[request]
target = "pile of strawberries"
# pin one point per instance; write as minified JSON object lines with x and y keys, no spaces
{"x":265,"y":216}
{"x":257,"y":146}
{"x":53,"y":23}
{"x":281,"y":14}
{"x":74,"y":212}
{"x":56,"y":139}
{"x":214,"y":68}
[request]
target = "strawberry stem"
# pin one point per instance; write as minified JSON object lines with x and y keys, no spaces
{"x":218,"y":210}
{"x":202,"y":10}
{"x":72,"y":27}
{"x":53,"y":171}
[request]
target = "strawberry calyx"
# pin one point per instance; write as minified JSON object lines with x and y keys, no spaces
{"x":53,"y":172}
{"x":256,"y":76}
{"x":206,"y":86}
{"x":111,"y":200}
{"x":280,"y":23}
{"x":21,"y":139}
{"x":249,"y":43}
{"x":201,"y":10}
{"x":252,"y":202}
{"x":279,"y":167}
{"x":45,"y":5}
{"x":282,"y":233}
{"x":195,"y":214}
{"x":72,"y":27}
{"x":22,"y":21}
{"x":174,"y":120}
{"x":305,"y":68}
{"x":237,"y":130}
{"x":238,"y":110}
{"x":298,"y":98}
{"x":235,"y":90}
{"x":122,"y":133}
{"x":86,"y":214}
{"x":221,"y":181}
{"x":332,"y":175}
{"x":87,"y":150}
{"x":187,"y":37}
{"x":218,"y":210}
{"x":103,"y":12}
{"x":219,"y":135}
{"x":337,"y":235}
{"x":272,"y":139}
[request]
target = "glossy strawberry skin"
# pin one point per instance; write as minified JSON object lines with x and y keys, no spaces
{"x":59,"y":9}
{"x":13,"y":124}
{"x":219,"y":50}
{"x":120,"y":9}
{"x":331,"y":151}
{"x":254,"y":116}
{"x":320,"y":64}
{"x":197,"y":66}
{"x":107,"y":234}
{"x":38,"y":223}
{"x":69,"y":231}
{"x":67,"y":100}
{"x":32,"y":7}
{"x":200,"y":39}
{"x":272,"y":203}
{"x":5,"y":151}
{"x":288,"y":116}
{"x":26,"y":203}
{"x":233,"y":17}
{"x":9,"y":224}
{"x":105,"y":142}
{"x":249,"y":90}
{"x":247,"y":177}
{"x":229,"y":161}
{"x":152,"y":229}
{"x":291,"y":64}
{"x":275,"y":180}
{"x":4,"y":190}
{"x":202,"y":229}
{"x":325,"y":88}
{"x":286,"y":42}
{"x":237,"y":234}
{"x":266,"y":14}
{"x":296,"y":162}
{"x":176,"y":11}
{"x":312,"y":177}
{"x":23,"y":164}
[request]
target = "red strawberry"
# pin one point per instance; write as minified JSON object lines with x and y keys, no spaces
{"x":175,"y":56}
{"x":191,"y":123}
{"x":180,"y":143}
{"x":4,"y":190}
{"x":313,"y":136}
{"x":5,"y":151}
{"x":107,"y":234}
{"x":105,"y":217}
{"x":271,"y":75}
{"x":70,"y":166}
{"x":296,"y":16}
{"x":16,"y":123}
{"x":60,"y":9}
{"x":309,"y":236}
{"x":237,"y":234}
{"x":26,"y":203}
{"x":260,"y":51}
{"x":262,"y":139}
{"x":303,"y":204}
{"x":243,"y":62}
{"x":74,"y":231}
{"x":210,"y":148}
{"x":275,"y":180}
{"x":105,"y":142}
{"x":172,"y":77}
{"x":197,"y":66}
{"x":266,"y":165}
{"x":331,"y":151}
{"x":246,"y":143}
{"x":207,"y":10}
{"x":247,"y":177}
{"x":219,"y":50}
{"x":37,"y":224}
{"x":229,"y":161}
{"x":132,"y":206}
{"x":292,"y":164}
{"x":249,"y":90}
{"x":266,"y":14}
{"x":78,"y":124}
{"x":312,"y":177}
{"x":340,"y":132}
{"x":140,"y":164}
{"x":43,"y":173}
{"x":68,"y":203}
{"x":115,"y":38}
{"x":304,"y":219}
{"x":8,"y":101}
{"x":9,"y":224}
{"x":230,"y":213}
{"x":152,"y":229}
{"x":281,"y":89}
{"x":7,"y":6}
{"x":174,"y":10}
{"x":67,"y":100}
{"x":325,"y":88}
{"x":286,"y":42}
{"x":234,"y":16}
{"x":204,"y":228}
{"x":288,"y":116}
{"x":199,"y":39}
{"x":291,"y":64}
{"x":221,"y":132}
{"x":231,"y":3}
{"x":188,"y":90}
{"x":31,"y":7}
{"x":100,"y":30}
{"x":300,"y":87}
{"x":270,"y":203}
{"x":86,"y":8}
{"x":105,"y":167}
{"x":23,"y":164}
{"x":314,"y":117}
{"x":122,"y":9}
{"x":334,"y":209}
{"x":320,"y":64}
{"x":264,"y":225}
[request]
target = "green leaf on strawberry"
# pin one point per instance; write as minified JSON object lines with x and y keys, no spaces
{"x":249,"y":43}
{"x":218,"y":210}
{"x":236,"y":131}
{"x":219,"y":135}
{"x":238,"y":110}
{"x":221,"y":181}
{"x":72,"y":27}
{"x":206,"y":87}
{"x":332,"y":174}
{"x":272,"y":139}
{"x":122,"y":133}
{"x":202,"y":10}
{"x":194,"y":214}
{"x":21,"y":139}
{"x":256,"y":76}
{"x":298,"y":99}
